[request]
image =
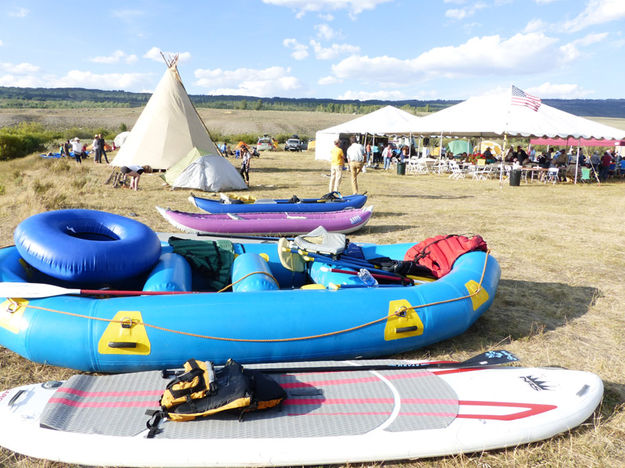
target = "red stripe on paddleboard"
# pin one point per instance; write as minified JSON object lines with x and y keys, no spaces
{"x":104,"y":404}
{"x":533,"y":409}
{"x":406,"y":375}
{"x":82,"y":393}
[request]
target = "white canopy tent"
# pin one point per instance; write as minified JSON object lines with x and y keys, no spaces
{"x":388,"y":120}
{"x":511,"y":113}
{"x":496,"y":115}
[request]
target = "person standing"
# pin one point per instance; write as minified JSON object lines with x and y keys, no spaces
{"x":337,"y":161}
{"x":604,"y":169}
{"x":387,"y":156}
{"x":356,"y":158}
{"x":369,"y":155}
{"x":245,"y":165}
{"x":97,"y":159}
{"x":77,"y":149}
{"x":102,"y":148}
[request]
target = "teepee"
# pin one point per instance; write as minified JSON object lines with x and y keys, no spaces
{"x":167,"y":129}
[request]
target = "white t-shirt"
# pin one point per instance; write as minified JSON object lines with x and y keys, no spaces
{"x":356,"y":153}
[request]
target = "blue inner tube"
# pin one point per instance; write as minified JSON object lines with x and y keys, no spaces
{"x":87,"y":246}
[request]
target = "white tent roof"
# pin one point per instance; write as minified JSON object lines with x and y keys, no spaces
{"x":494,"y":115}
{"x":167,"y":129}
{"x":385,"y":121}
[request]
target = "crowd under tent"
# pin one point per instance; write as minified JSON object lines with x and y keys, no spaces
{"x":388,"y":120}
{"x":167,"y":129}
{"x":511,"y":113}
{"x":501,"y":114}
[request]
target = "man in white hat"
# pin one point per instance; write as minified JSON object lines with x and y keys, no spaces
{"x":77,"y":149}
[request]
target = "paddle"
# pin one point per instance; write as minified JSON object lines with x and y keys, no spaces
{"x":375,"y":275}
{"x":35,"y":290}
{"x":489,"y":358}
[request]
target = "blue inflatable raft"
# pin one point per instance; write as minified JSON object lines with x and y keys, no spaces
{"x":268,"y":310}
{"x":332,"y":202}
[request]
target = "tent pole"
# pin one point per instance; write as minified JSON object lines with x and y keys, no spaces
{"x":440,"y":147}
{"x":576,"y":165}
{"x":503,"y":156}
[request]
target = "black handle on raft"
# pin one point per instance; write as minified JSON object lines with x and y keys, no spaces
{"x":16,"y":397}
{"x":122,"y":344}
{"x":406,"y":329}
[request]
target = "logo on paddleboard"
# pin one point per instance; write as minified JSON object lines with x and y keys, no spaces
{"x":536,"y":383}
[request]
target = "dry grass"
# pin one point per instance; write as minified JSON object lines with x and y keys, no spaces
{"x":224,"y":121}
{"x":561,"y":248}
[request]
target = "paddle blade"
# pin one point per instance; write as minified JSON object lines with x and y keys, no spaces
{"x":490,"y":358}
{"x":33,"y":290}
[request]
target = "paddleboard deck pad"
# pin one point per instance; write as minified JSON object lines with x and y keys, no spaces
{"x":328,"y":417}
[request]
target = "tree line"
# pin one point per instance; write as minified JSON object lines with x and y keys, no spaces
{"x":13,"y":97}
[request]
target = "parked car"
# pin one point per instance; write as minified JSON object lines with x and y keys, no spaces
{"x":266,"y":143}
{"x":293,"y":144}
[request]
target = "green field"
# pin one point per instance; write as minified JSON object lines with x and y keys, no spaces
{"x":561,"y":249}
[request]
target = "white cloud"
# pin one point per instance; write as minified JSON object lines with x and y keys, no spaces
{"x":79,"y":79}
{"x":127,"y":15}
{"x":462,"y":13}
{"x":272,"y":81}
{"x":325,"y":32}
{"x":535,"y":25}
{"x":302,"y":7}
{"x":334,"y":51}
{"x":0,"y":43}
{"x":300,"y":51}
{"x":559,"y":91}
{"x":479,"y":56}
{"x":87,"y":79}
{"x":326,"y":17}
{"x":155,"y":54}
{"x":19,"y":12}
{"x":571,"y":51}
{"x":328,"y":80}
{"x":23,"y":68}
{"x":366,"y":96}
{"x":544,"y":2}
{"x":596,"y":12}
{"x":115,"y":57}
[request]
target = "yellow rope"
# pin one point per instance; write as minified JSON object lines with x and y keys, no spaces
{"x":399,"y":312}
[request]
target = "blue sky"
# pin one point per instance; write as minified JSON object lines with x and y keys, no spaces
{"x":343,"y":49}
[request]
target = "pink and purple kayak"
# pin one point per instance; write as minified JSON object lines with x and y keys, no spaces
{"x":344,"y":221}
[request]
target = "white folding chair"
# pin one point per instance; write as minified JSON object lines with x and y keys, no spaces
{"x":552,"y":175}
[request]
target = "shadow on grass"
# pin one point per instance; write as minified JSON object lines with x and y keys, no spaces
{"x":274,"y":170}
{"x":613,"y":400}
{"x":385,"y":229}
{"x":522,"y":309}
{"x":441,"y":196}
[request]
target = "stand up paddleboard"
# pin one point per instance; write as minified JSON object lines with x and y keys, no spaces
{"x":355,"y":414}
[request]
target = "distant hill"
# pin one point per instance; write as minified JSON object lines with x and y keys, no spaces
{"x":11,"y":97}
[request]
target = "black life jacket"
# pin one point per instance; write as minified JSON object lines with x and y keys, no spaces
{"x":202,"y":391}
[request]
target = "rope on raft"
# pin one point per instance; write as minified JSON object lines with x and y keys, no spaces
{"x":400,"y":312}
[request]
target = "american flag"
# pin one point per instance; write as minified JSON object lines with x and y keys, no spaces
{"x":521,"y":98}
